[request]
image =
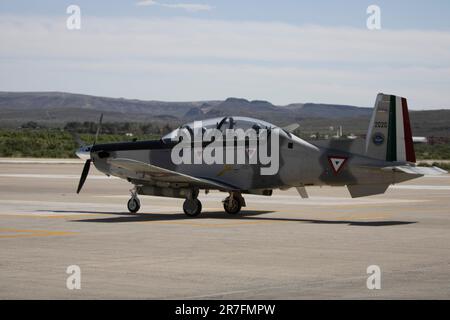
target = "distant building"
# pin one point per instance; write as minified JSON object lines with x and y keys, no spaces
{"x":420,"y":140}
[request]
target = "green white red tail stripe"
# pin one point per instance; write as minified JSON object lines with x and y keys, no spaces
{"x":409,"y":146}
{"x":399,"y":143}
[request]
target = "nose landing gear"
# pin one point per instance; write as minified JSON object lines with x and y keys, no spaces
{"x":134,"y":204}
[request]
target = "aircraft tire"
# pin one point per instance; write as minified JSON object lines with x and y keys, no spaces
{"x":192,"y":208}
{"x":134,"y":205}
{"x":233,"y":206}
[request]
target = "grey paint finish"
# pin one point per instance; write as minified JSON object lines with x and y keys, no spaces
{"x":301,"y":163}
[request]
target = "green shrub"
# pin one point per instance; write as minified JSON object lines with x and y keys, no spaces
{"x":432,"y":152}
{"x":51,"y":143}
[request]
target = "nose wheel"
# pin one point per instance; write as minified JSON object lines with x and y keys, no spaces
{"x":134,"y":204}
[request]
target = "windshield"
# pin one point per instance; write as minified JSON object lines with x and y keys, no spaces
{"x":222,"y":124}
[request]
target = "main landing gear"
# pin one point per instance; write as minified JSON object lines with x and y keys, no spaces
{"x":192,"y":207}
{"x":233,"y":203}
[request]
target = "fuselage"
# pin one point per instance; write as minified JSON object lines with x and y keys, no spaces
{"x":241,"y":155}
{"x":300,"y":163}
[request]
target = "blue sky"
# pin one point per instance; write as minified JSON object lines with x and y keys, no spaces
{"x":282,"y":51}
{"x":400,"y":14}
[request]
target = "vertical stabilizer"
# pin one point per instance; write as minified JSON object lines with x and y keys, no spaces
{"x":389,"y":136}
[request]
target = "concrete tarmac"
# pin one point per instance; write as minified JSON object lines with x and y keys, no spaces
{"x":279,"y":247}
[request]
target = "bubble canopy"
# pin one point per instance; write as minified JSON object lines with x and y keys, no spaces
{"x":222,"y":124}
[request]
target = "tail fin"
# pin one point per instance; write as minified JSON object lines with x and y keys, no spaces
{"x":389,"y":136}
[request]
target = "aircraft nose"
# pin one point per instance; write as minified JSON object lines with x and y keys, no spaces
{"x":84,"y":153}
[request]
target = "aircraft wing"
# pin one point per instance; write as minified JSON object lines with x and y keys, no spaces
{"x":162,"y":174}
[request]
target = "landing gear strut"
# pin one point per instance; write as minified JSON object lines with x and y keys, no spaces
{"x":134,"y":204}
{"x":233,"y":203}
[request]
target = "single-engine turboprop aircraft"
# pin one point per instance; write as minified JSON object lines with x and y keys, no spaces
{"x":386,"y":157}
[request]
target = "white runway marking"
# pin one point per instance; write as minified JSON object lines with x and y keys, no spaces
{"x":101,"y":177}
{"x":444,"y":176}
{"x":420,"y":187}
{"x":54,"y":208}
{"x":52,"y":176}
{"x":40,"y":161}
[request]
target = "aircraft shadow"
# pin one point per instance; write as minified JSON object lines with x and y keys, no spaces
{"x":123,"y":213}
{"x":250,"y":215}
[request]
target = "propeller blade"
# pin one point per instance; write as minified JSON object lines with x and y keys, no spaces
{"x":84,"y":174}
{"x":76,"y":138}
{"x":98,"y":128}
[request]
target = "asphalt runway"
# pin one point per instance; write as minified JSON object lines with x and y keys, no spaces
{"x":279,"y":247}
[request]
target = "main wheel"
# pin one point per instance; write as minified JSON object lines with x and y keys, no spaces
{"x":231,"y":206}
{"x":134,"y":205}
{"x":192,"y":207}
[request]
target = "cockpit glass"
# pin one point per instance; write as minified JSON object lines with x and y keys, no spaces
{"x":222,"y":124}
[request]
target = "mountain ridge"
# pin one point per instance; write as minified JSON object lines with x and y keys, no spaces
{"x":50,"y":106}
{"x":55,"y":108}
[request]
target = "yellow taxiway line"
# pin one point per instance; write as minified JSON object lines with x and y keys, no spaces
{"x":21,"y":233}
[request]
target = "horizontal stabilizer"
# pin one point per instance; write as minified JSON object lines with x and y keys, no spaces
{"x":419,"y":171}
{"x":430,"y":171}
{"x":291,"y":128}
{"x":363,"y":190}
